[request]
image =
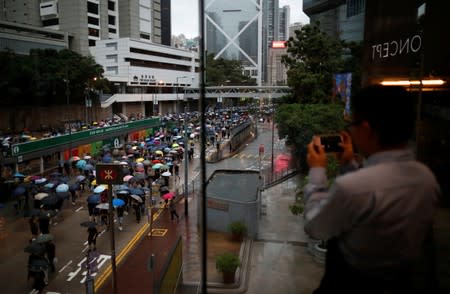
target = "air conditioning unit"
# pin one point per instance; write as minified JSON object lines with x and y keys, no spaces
{"x":49,"y":9}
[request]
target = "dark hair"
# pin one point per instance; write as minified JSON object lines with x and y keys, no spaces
{"x":389,"y":111}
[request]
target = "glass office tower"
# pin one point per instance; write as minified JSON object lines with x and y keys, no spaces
{"x":234,"y":31}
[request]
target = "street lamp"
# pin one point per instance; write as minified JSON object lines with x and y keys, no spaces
{"x":176,"y":89}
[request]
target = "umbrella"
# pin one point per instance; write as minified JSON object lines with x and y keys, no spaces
{"x":40,"y":181}
{"x":81,"y":178}
{"x":44,"y":238}
{"x":107,"y":158}
{"x":175,"y":145}
{"x":137,"y":198}
{"x":81,"y":163}
{"x":140,"y":159}
{"x":139,"y":175}
{"x":168,"y":196}
{"x":146,"y":162}
{"x":62,"y":188}
{"x":63,"y":195}
{"x":50,"y":200}
{"x":159,"y":152}
{"x":75,"y":158}
{"x":19,"y":190}
{"x":122,"y":192}
{"x":34,"y":248}
{"x":87,"y":157}
{"x":40,"y":196}
{"x":123,"y":162}
{"x":88,"y":167}
{"x":88,"y":224}
{"x":18,"y":175}
{"x":166,"y":174}
{"x":137,"y":191}
{"x":118,"y":202}
{"x":103,"y":206}
{"x":192,"y":136}
{"x":49,"y":185}
{"x":94,"y":183}
{"x":140,"y":169}
{"x":99,"y":189}
{"x":127,"y":178}
{"x":157,"y":166}
{"x":94,"y":198}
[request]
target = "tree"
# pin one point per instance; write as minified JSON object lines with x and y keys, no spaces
{"x":46,"y":77}
{"x":222,"y":71}
{"x":313,"y":57}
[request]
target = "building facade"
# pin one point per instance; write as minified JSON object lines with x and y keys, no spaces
{"x":233,"y":30}
{"x":342,"y":19}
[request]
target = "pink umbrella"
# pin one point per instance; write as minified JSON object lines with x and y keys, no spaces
{"x":168,"y":196}
{"x":127,"y":178}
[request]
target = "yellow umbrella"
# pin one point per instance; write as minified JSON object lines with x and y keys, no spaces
{"x":159,"y":152}
{"x":134,"y":147}
{"x":175,"y":145}
{"x":140,"y":160}
{"x":94,"y":183}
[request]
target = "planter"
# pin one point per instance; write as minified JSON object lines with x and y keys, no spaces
{"x":319,"y":254}
{"x":238,"y":231}
{"x":228,"y":277}
{"x":227,"y":264}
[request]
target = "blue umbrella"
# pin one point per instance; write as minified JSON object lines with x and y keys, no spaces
{"x":94,"y":198}
{"x":99,"y":189}
{"x":88,"y":167}
{"x":62,"y":188}
{"x":118,"y":202}
{"x":19,"y":190}
{"x":18,"y":175}
{"x":122,"y":187}
{"x":81,"y":164}
{"x":107,"y":158}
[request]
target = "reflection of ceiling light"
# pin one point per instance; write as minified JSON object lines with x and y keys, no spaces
{"x":413,"y":83}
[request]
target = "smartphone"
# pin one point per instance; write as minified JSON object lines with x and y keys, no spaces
{"x":330,"y":143}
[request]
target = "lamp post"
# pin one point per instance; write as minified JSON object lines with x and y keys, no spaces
{"x":176,"y":89}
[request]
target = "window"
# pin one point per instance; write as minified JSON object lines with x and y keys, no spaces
{"x":93,"y":20}
{"x":91,"y":43}
{"x":94,"y":32}
{"x":112,"y":57}
{"x":112,"y":31}
{"x":355,"y":7}
{"x":112,"y":45}
{"x":50,"y":22}
{"x":112,"y":5}
{"x":112,"y":69}
{"x":145,"y":36}
{"x":112,"y":20}
{"x":92,"y":7}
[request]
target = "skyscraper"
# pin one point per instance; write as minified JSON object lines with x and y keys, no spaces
{"x":234,"y":31}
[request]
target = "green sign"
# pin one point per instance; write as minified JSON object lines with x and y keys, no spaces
{"x":91,"y":135}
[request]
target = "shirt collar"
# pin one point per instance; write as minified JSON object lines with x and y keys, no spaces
{"x":390,"y":156}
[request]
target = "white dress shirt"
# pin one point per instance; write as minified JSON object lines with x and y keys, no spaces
{"x":380,"y":213}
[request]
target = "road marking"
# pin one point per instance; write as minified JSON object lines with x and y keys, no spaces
{"x":85,"y":248}
{"x":158,"y":233}
{"x":101,"y":233}
{"x":65,"y":266}
{"x":79,"y":208}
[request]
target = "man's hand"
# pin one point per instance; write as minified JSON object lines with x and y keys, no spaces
{"x":347,"y":154}
{"x":316,"y":154}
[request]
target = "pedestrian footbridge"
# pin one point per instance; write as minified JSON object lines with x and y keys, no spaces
{"x":218,"y":92}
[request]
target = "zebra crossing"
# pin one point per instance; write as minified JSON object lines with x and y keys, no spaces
{"x":252,"y":156}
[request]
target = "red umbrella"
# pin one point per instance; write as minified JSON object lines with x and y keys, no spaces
{"x":168,"y":196}
{"x":156,"y":161}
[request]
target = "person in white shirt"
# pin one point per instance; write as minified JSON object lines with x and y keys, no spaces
{"x":378,"y":218}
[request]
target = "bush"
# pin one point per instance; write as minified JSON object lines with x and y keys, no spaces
{"x":227,"y":262}
{"x":238,"y":228}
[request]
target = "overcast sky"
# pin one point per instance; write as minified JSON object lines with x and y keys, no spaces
{"x":185,"y":15}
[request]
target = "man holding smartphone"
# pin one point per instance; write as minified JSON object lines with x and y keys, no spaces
{"x":377,"y":219}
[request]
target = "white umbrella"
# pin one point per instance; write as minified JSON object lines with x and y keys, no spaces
{"x":99,"y":189}
{"x":136,"y":197}
{"x":62,"y":188}
{"x":166,"y":174}
{"x":103,"y":206}
{"x":40,"y":196}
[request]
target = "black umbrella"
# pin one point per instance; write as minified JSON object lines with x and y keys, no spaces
{"x":39,"y":264}
{"x":63,"y":195}
{"x":34,"y":248}
{"x":50,"y":200}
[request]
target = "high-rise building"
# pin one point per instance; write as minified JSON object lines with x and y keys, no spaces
{"x":343,"y":19}
{"x":87,"y":21}
{"x":283,"y":23}
{"x":233,"y":30}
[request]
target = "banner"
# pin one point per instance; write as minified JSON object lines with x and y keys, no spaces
{"x":342,"y":88}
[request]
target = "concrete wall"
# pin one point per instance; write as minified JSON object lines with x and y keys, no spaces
{"x":34,"y":117}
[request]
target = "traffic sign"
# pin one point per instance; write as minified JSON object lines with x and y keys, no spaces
{"x":109,"y":174}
